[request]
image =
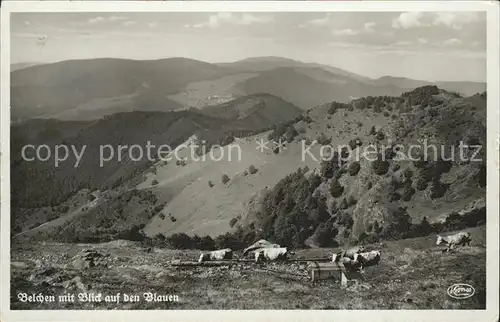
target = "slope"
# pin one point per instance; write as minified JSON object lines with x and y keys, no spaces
{"x":310,"y":87}
{"x":46,"y":90}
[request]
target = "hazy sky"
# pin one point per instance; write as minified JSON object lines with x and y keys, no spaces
{"x":420,"y":45}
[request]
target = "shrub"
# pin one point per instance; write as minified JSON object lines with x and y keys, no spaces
{"x":179,"y":241}
{"x":225,"y":178}
{"x":408,"y":173}
{"x":173,"y":219}
{"x":398,"y":226}
{"x":323,"y":140}
{"x":394,"y":196}
{"x":291,"y":133}
{"x":233,"y":222}
{"x":438,"y":189}
{"x":252,"y":169}
{"x":206,"y":243}
{"x":345,"y":219}
{"x":314,"y":182}
{"x":380,"y":135}
{"x":386,"y":114}
{"x":408,"y":193}
{"x":351,"y":201}
{"x":210,"y":184}
{"x":324,"y":235}
{"x":396,"y":167}
{"x":343,"y":204}
{"x":336,"y":189}
{"x":421,"y":184}
{"x":154,"y":182}
{"x":380,"y":166}
{"x":354,"y":168}
{"x":373,"y":131}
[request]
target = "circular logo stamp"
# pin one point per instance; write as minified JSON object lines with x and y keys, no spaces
{"x":460,"y":291}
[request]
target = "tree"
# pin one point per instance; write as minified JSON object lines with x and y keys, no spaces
{"x":380,"y":166}
{"x":408,"y":193}
{"x":225,"y":178}
{"x":354,"y":168}
{"x":324,"y":235}
{"x":252,"y":169}
{"x":336,"y":189}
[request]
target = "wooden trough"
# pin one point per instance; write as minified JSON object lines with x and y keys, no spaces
{"x":321,"y":271}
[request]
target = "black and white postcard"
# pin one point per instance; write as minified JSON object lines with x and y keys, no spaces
{"x":254,"y":161}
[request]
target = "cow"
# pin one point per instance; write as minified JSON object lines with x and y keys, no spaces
{"x":348,"y":253}
{"x":367,"y":258}
{"x":259,"y":245}
{"x":271,"y":254}
{"x":462,"y":238}
{"x":221,"y":254}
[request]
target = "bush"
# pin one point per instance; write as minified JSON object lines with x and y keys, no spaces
{"x":351,"y":201}
{"x":396,"y":167}
{"x":380,"y":166}
{"x":373,"y":131}
{"x":225,"y":178}
{"x":180,"y":241}
{"x":324,"y":235}
{"x":233,"y":222}
{"x":343,"y":204}
{"x":438,"y":189}
{"x":408,"y":173}
{"x":252,"y":169}
{"x":154,"y":182}
{"x":354,"y":168}
{"x":206,"y":243}
{"x":386,"y":114}
{"x":345,"y":219}
{"x":408,"y":193}
{"x":421,"y":184}
{"x":380,"y":135}
{"x":291,"y":133}
{"x":398,"y":226}
{"x":323,"y":140}
{"x":210,"y":184}
{"x":314,"y":182}
{"x":336,"y":189}
{"x":394,"y":196}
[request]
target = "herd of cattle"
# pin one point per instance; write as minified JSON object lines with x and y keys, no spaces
{"x":354,"y":258}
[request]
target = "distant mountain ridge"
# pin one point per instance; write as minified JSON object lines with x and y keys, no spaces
{"x":91,"y":89}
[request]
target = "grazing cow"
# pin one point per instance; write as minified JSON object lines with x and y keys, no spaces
{"x":367,"y":258}
{"x":271,"y":254}
{"x":349,"y":253}
{"x":259,"y":245}
{"x":451,"y":241}
{"x":221,"y":254}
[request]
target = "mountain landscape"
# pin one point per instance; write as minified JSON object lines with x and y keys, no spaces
{"x":90,"y":89}
{"x":278,"y":192}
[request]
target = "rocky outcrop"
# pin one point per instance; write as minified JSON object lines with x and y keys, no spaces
{"x":88,"y":258}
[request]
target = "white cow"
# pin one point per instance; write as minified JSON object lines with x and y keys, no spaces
{"x":367,"y":258}
{"x":271,"y":254}
{"x":220,"y":254}
{"x":348,"y":253}
{"x":451,"y":241}
{"x":259,"y":245}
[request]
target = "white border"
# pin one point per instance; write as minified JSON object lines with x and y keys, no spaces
{"x":490,"y":314}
